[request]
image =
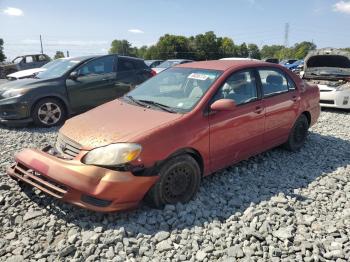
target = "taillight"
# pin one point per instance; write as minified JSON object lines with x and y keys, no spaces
{"x":153,"y":72}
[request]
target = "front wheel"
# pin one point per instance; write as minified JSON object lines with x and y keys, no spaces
{"x":49,"y":112}
{"x":298,"y":134}
{"x":179,"y":181}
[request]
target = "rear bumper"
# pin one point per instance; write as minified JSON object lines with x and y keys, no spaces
{"x":87,"y":186}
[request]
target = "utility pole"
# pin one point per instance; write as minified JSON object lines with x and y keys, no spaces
{"x":41,"y":44}
{"x":286,"y":35}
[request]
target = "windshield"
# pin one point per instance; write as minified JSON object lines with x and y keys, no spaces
{"x":168,"y":63}
{"x":17,"y":60}
{"x":179,"y":89}
{"x":58,"y":69}
{"x":54,"y":62}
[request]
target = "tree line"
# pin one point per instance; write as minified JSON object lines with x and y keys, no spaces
{"x":208,"y":46}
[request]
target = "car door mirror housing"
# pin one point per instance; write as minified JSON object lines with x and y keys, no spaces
{"x":223,"y":105}
{"x":73,"y":75}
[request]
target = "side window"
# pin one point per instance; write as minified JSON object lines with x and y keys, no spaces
{"x":273,"y":82}
{"x":125,"y":65}
{"x":98,"y":66}
{"x":240,"y":87}
{"x":41,"y":58}
{"x":28,"y":59}
{"x":291,"y":84}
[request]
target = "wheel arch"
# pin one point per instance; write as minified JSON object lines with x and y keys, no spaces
{"x":192,"y":152}
{"x":62,"y":100}
{"x":308,"y":116}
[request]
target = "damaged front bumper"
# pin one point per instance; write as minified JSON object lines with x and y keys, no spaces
{"x":87,"y":186}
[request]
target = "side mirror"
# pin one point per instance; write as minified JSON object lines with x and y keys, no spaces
{"x":223,"y":105}
{"x":73,"y":75}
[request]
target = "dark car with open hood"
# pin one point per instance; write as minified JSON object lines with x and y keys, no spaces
{"x":70,"y":87}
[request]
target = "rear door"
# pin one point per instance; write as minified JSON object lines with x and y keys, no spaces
{"x":126,"y":76}
{"x":281,"y":101}
{"x":238,"y":134}
{"x":94,"y":84}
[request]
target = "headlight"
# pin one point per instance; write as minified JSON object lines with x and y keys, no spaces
{"x":13,"y":93}
{"x":115,"y":154}
{"x":343,"y":87}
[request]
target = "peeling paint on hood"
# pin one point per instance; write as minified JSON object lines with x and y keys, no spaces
{"x":114,"y":122}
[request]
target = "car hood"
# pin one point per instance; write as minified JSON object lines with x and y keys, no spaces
{"x":26,"y":73}
{"x":27,"y":83}
{"x":327,"y":63}
{"x":114,"y":122}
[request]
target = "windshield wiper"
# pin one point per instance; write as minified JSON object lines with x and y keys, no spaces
{"x":159,"y":105}
{"x":138,"y":102}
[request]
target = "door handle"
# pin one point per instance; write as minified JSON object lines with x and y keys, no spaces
{"x":258,"y":109}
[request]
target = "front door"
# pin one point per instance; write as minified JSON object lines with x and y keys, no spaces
{"x":94,"y":84}
{"x":238,"y":134}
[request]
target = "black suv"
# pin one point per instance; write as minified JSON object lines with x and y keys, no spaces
{"x":69,"y":87}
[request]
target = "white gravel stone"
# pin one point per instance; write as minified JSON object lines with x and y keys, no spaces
{"x":277,"y":206}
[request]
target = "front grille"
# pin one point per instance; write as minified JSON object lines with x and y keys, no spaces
{"x":326,"y":90}
{"x":67,"y":147}
{"x":39,"y":181}
{"x":329,"y":102}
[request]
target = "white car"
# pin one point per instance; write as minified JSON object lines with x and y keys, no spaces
{"x":169,"y":63}
{"x":32,"y":72}
{"x":329,"y":69}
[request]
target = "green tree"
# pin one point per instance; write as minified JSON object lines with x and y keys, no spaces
{"x":207,"y":46}
{"x":122,"y":47}
{"x":228,"y":48}
{"x":173,"y":46}
{"x":59,"y":54}
{"x":2,"y":55}
{"x":271,"y":51}
{"x":254,"y":51}
{"x":301,"y":49}
{"x":243,"y":50}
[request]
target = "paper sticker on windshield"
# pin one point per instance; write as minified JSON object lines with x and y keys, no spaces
{"x":198,"y":76}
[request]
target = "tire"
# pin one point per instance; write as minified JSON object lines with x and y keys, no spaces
{"x":298,"y":134}
{"x":49,"y":112}
{"x":170,"y":188}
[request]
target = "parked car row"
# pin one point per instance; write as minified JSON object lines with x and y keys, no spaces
{"x":70,"y":86}
{"x":156,"y":142}
{"x":23,"y":63}
{"x":161,"y":136}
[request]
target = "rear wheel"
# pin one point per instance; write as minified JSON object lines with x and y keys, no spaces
{"x":179,"y":181}
{"x":49,"y":112}
{"x":298,"y":134}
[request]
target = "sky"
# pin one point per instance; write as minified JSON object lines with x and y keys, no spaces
{"x":87,"y":27}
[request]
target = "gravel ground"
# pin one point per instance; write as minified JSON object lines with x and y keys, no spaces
{"x":277,"y":206}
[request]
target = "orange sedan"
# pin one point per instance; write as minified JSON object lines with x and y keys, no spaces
{"x":158,"y":141}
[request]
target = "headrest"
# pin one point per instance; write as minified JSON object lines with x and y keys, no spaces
{"x":274,"y":79}
{"x":238,"y":77}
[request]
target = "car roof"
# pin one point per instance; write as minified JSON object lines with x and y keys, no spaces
{"x":178,"y":60}
{"x":224,"y":64}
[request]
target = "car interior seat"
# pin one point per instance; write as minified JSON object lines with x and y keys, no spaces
{"x":273,"y":84}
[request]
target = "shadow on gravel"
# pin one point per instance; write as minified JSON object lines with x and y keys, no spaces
{"x":224,"y":195}
{"x":336,"y":110}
